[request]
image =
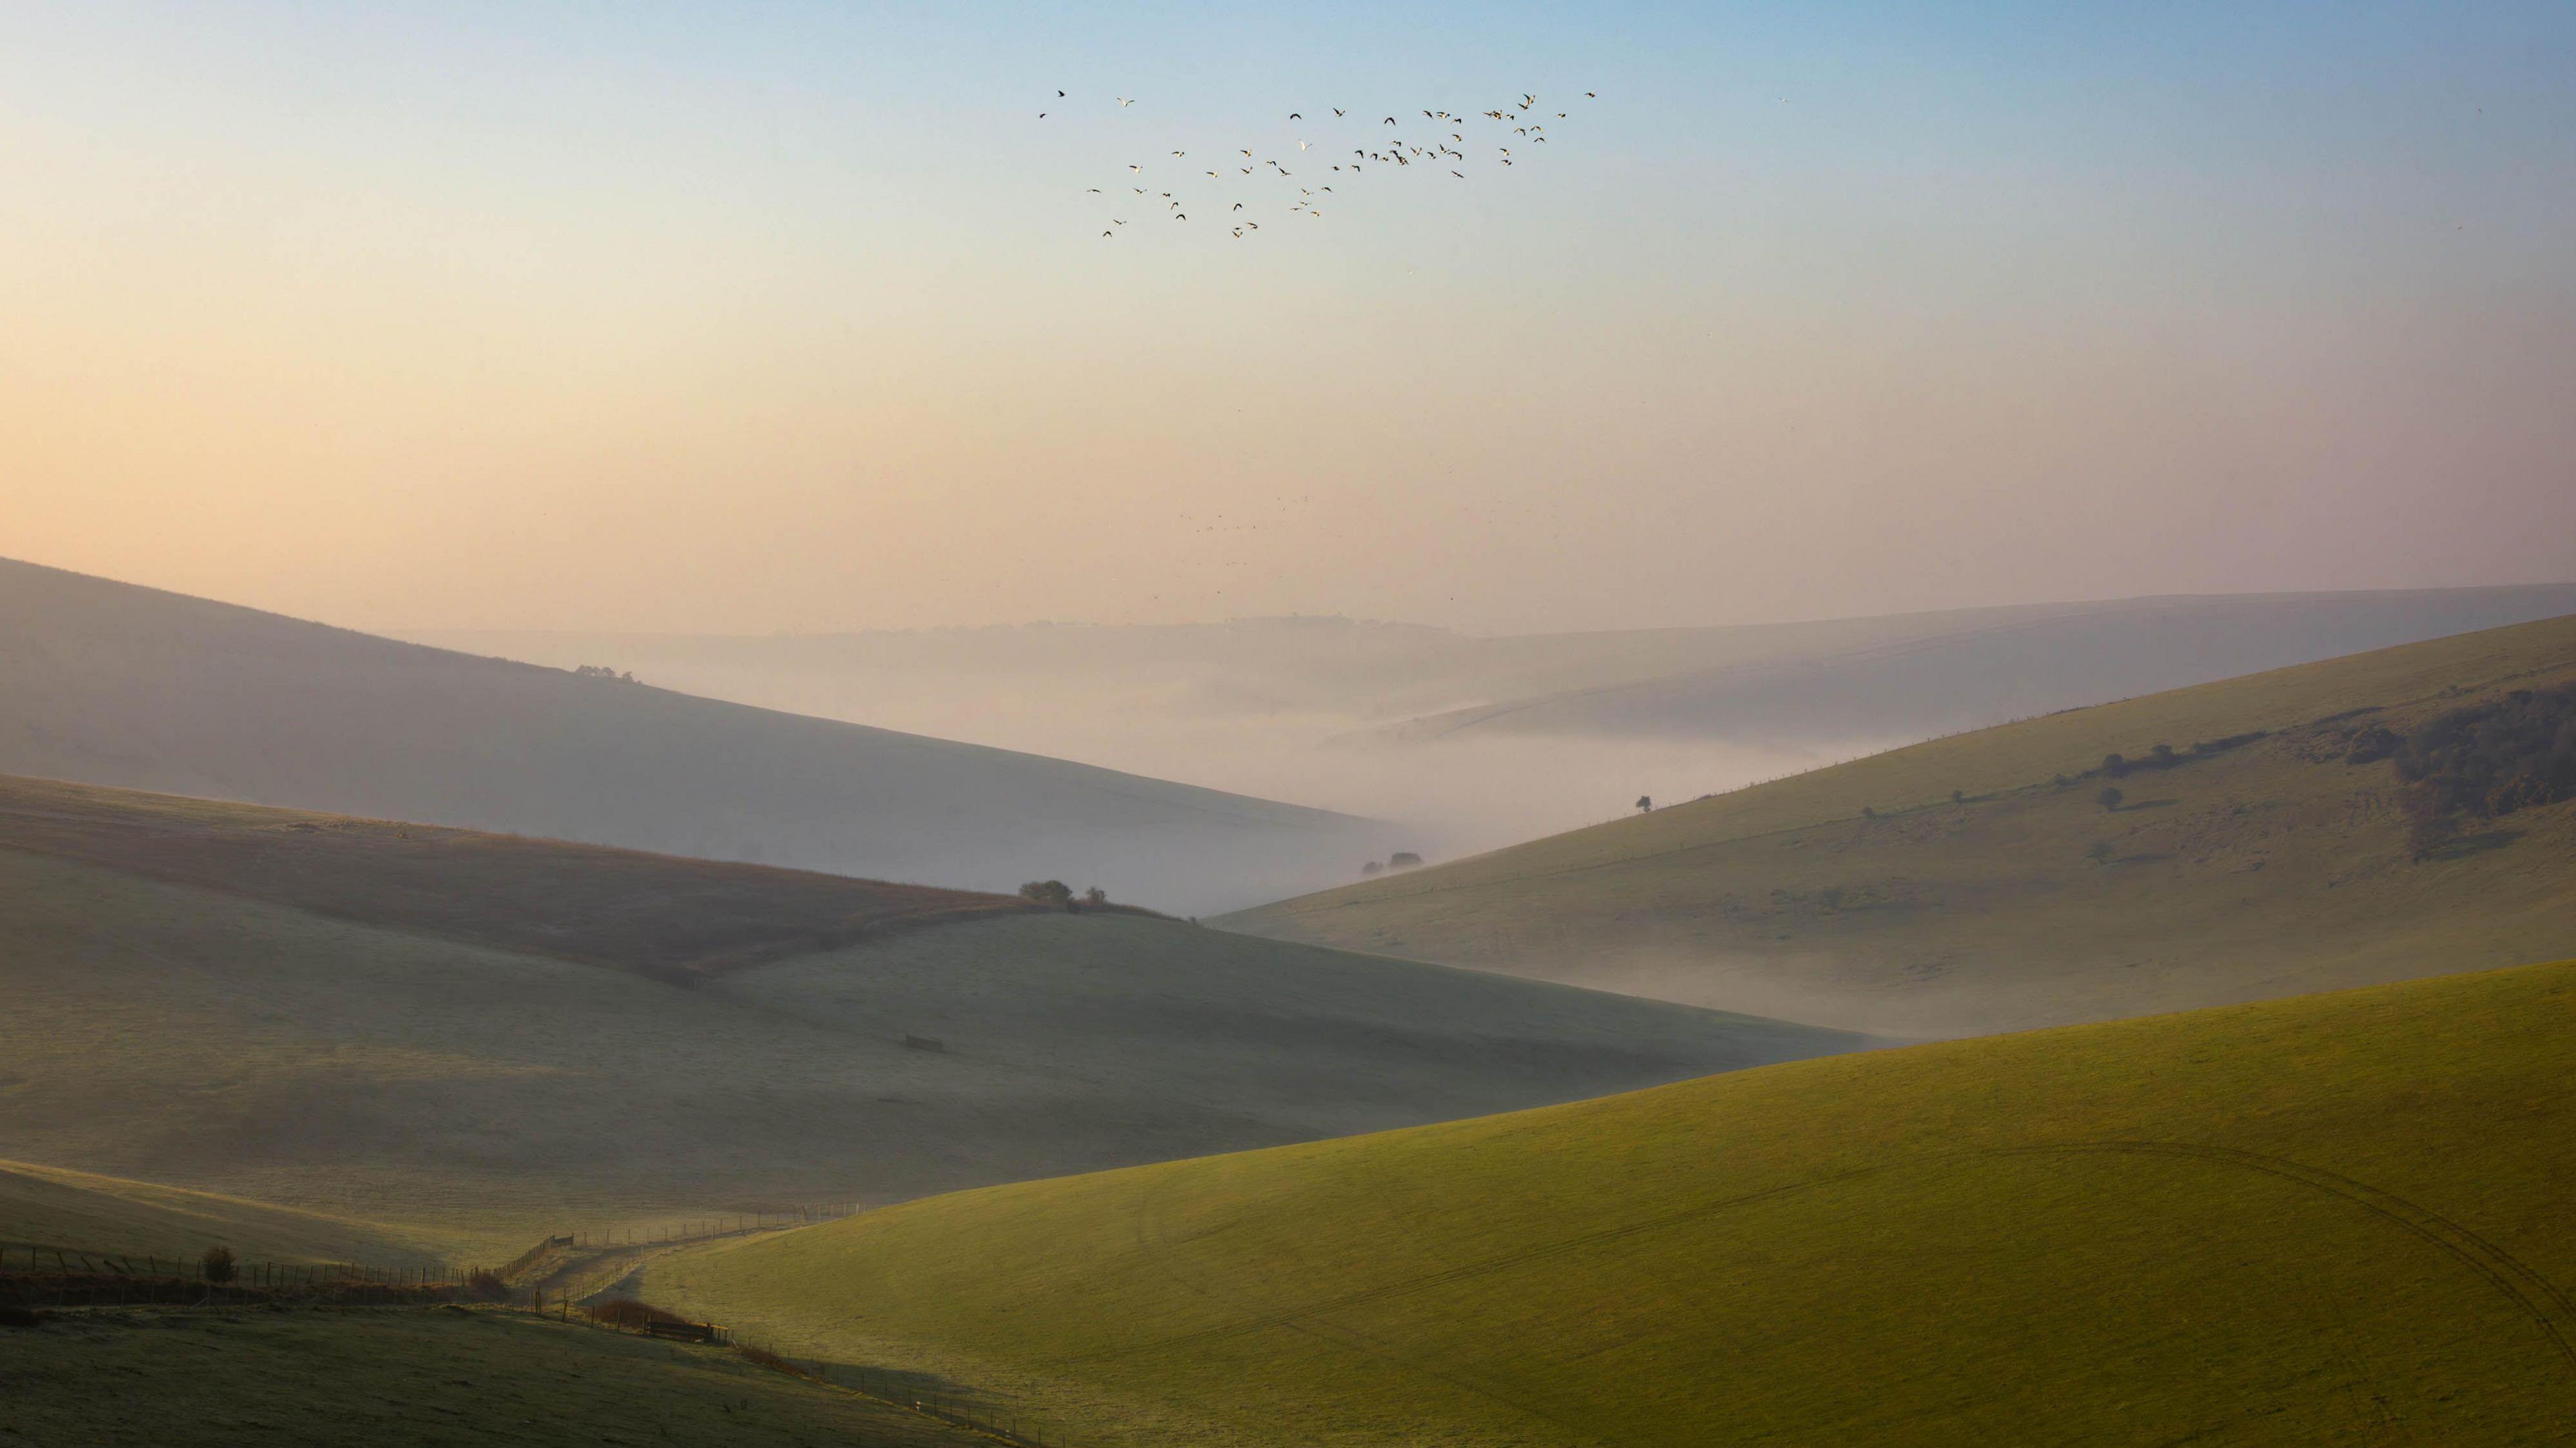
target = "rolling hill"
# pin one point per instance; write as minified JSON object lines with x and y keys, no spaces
{"x":2339,"y":1218}
{"x":113,"y":684}
{"x":1976,"y":882}
{"x":470,"y":1040}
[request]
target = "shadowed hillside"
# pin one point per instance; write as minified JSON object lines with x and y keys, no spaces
{"x":654,"y":914}
{"x":329,"y":1025}
{"x":1980,"y":882}
{"x":2333,"y":1219}
{"x":108,"y":683}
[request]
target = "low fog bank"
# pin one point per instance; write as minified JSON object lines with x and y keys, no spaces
{"x":1465,"y":743}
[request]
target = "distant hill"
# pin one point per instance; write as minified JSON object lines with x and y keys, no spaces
{"x":470,"y":1041}
{"x":2337,"y":1218}
{"x":1475,"y":741}
{"x":1921,"y":675}
{"x":112,"y":684}
{"x":1959,"y":886}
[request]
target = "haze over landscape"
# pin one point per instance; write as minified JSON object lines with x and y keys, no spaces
{"x":919,"y":725}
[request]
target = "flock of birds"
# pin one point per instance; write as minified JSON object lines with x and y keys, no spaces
{"x":1385,"y":146}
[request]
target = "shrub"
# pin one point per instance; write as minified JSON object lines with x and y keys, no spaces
{"x":1868,"y":812}
{"x":2099,"y":852}
{"x":486,"y":1284}
{"x":1958,"y":796}
{"x":1095,"y":896}
{"x":1371,"y":868}
{"x":1404,"y":860}
{"x":217,"y":1265}
{"x":2164,"y":755}
{"x":1645,"y":804}
{"x":2114,"y":766}
{"x":2110,"y":797}
{"x":1048,"y":892}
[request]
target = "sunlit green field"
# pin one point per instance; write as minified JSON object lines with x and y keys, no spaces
{"x":2259,"y":871}
{"x":2339,"y":1218}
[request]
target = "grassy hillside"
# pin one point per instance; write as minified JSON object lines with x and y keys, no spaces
{"x":170,"y":1378}
{"x":81,"y":1211}
{"x":654,"y":914}
{"x":2337,"y":1218}
{"x":2276,"y":865}
{"x":472,"y":1097}
{"x":112,"y":684}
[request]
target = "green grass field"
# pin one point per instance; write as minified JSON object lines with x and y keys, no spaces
{"x":2263,"y":871}
{"x":44,"y":1206}
{"x":463,"y":1100}
{"x":162,"y":1379}
{"x":2341,"y":1218}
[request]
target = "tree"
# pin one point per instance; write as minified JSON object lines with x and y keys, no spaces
{"x":2100,"y":853}
{"x":1048,"y":892}
{"x":2164,"y":755}
{"x":1404,"y":860}
{"x":1372,"y":868}
{"x":2114,"y":766}
{"x":1645,"y":804}
{"x":217,"y":1265}
{"x":1095,"y":896}
{"x":1958,"y":796}
{"x":2110,"y":797}
{"x":1869,"y":812}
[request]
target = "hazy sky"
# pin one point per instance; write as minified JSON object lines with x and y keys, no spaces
{"x":747,"y":318}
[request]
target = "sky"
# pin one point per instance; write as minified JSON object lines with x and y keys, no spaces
{"x":798,"y":317}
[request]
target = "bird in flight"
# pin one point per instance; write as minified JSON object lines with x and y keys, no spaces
{"x":1337,"y":110}
{"x":1124,"y":103}
{"x":1295,"y":116}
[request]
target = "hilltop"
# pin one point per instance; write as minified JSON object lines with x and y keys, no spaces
{"x":1978,"y":883}
{"x":467,"y":1041}
{"x":108,"y":683}
{"x":2333,"y":1218}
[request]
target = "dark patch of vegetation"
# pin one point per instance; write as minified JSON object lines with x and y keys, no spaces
{"x":485,"y":1284}
{"x":2485,"y":761}
{"x":1404,"y":860}
{"x":631,"y":1315}
{"x":1372,"y":868}
{"x":217,"y":1265}
{"x":2110,"y":797}
{"x":2099,"y":853}
{"x":1055,"y":894}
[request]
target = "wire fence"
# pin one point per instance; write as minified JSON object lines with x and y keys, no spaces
{"x":56,"y":1278}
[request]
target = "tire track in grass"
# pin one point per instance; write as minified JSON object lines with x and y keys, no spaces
{"x":2534,"y":1296}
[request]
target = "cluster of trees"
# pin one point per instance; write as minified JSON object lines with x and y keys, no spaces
{"x":2487,"y":760}
{"x":603,"y":671}
{"x":1400,"y":860}
{"x":1058,"y":894}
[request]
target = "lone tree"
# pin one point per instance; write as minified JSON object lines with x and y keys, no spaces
{"x":1048,"y":892}
{"x":2110,"y":797}
{"x":217,"y":1265}
{"x":1372,"y":868}
{"x":1095,"y":896}
{"x":1645,"y":804}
